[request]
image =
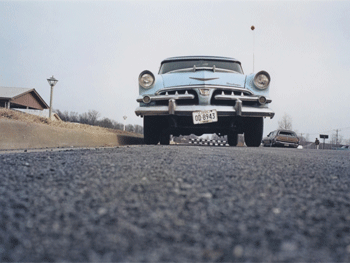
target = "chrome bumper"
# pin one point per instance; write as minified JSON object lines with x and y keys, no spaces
{"x":181,"y":110}
{"x":282,"y":143}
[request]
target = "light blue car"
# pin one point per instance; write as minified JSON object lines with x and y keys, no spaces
{"x":203,"y":94}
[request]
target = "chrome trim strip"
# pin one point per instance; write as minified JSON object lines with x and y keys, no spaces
{"x":203,"y":86}
{"x":222,"y":111}
{"x":242,"y":98}
{"x":237,"y":98}
{"x":169,"y":97}
{"x":289,"y":143}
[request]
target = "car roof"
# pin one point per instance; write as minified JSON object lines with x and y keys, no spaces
{"x":200,"y":57}
{"x":284,"y":130}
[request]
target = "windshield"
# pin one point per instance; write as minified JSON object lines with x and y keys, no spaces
{"x":287,"y":133}
{"x":193,"y":65}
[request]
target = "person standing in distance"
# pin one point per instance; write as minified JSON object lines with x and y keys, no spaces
{"x":317,"y":143}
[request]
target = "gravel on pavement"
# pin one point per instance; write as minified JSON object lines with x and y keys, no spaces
{"x":175,"y":203}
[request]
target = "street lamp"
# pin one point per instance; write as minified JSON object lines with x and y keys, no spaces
{"x":124,"y":117}
{"x":52,"y":81}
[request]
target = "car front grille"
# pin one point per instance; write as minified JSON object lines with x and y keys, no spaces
{"x":221,"y":96}
{"x":228,"y":97}
{"x":178,"y":92}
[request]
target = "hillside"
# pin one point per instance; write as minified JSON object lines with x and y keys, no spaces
{"x":25,"y":131}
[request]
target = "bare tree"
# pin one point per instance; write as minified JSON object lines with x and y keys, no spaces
{"x":285,"y":122}
{"x":68,"y":116}
{"x":106,"y":123}
{"x":64,"y":116}
{"x":118,"y":125}
{"x":130,"y":128}
{"x":138,"y":129}
{"x":307,"y":138}
{"x":92,"y":118}
{"x":336,"y":139}
{"x":93,"y":115}
{"x":84,"y":118}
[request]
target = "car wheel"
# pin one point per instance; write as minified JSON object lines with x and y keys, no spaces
{"x":253,"y":131}
{"x":151,"y":130}
{"x":232,"y":139}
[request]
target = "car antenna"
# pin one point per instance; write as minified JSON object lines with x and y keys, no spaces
{"x":252,"y":28}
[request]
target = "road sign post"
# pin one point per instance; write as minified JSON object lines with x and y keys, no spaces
{"x":324,"y":137}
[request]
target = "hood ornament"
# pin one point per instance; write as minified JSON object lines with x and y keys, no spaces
{"x":203,"y":79}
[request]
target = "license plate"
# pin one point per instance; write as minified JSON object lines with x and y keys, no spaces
{"x":207,"y":116}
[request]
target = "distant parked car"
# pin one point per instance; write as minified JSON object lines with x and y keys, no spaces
{"x":283,"y":138}
{"x":344,"y":148}
{"x":203,"y":94}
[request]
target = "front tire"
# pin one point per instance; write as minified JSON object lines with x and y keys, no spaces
{"x":253,"y":131}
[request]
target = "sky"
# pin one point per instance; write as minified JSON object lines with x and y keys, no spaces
{"x":97,"y":49}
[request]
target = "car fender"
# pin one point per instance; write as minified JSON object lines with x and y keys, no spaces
{"x":158,"y":84}
{"x":249,"y":84}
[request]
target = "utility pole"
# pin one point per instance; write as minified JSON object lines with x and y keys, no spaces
{"x":252,"y":28}
{"x":336,"y":138}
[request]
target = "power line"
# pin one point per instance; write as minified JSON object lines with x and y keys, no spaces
{"x":337,"y":129}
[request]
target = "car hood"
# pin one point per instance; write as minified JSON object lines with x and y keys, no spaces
{"x":203,"y":77}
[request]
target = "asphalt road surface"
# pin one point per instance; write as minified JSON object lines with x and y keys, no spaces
{"x":175,"y":203}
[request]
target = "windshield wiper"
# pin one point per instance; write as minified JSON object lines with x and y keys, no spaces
{"x":180,"y":70}
{"x":225,"y":70}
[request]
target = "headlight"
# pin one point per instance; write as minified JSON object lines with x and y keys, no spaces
{"x":262,"y":80}
{"x":146,"y":79}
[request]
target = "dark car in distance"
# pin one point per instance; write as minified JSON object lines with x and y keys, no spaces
{"x":344,"y":148}
{"x":282,"y":138}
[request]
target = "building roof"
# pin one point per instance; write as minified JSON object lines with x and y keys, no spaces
{"x":11,"y":92}
{"x":23,"y":96}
